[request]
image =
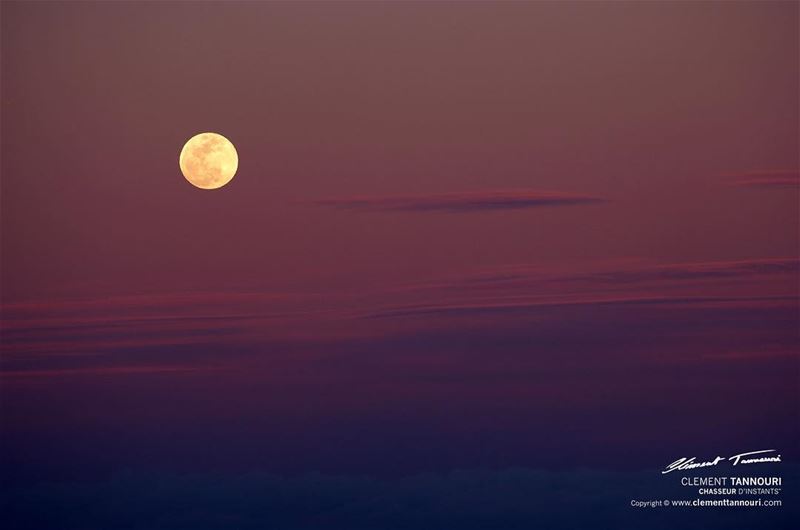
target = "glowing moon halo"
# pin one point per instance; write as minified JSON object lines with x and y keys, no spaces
{"x":208,"y":160}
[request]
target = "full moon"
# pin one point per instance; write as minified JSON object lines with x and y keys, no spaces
{"x":208,"y":160}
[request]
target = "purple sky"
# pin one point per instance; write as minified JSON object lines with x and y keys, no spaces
{"x":461,"y":235}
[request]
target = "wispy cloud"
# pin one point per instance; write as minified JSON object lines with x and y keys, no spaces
{"x":529,"y":306}
{"x":483,"y":358}
{"x":779,"y":178}
{"x":460,"y":202}
{"x":727,"y":303}
{"x":673,"y":272}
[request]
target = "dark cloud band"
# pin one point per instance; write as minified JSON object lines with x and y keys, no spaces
{"x":460,"y":202}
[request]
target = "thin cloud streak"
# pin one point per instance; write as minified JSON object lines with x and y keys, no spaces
{"x":460,"y":202}
{"x":677,"y":272}
{"x":780,"y":178}
{"x":527,"y":306}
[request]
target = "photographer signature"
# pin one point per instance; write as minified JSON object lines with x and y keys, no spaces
{"x":682,"y":464}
